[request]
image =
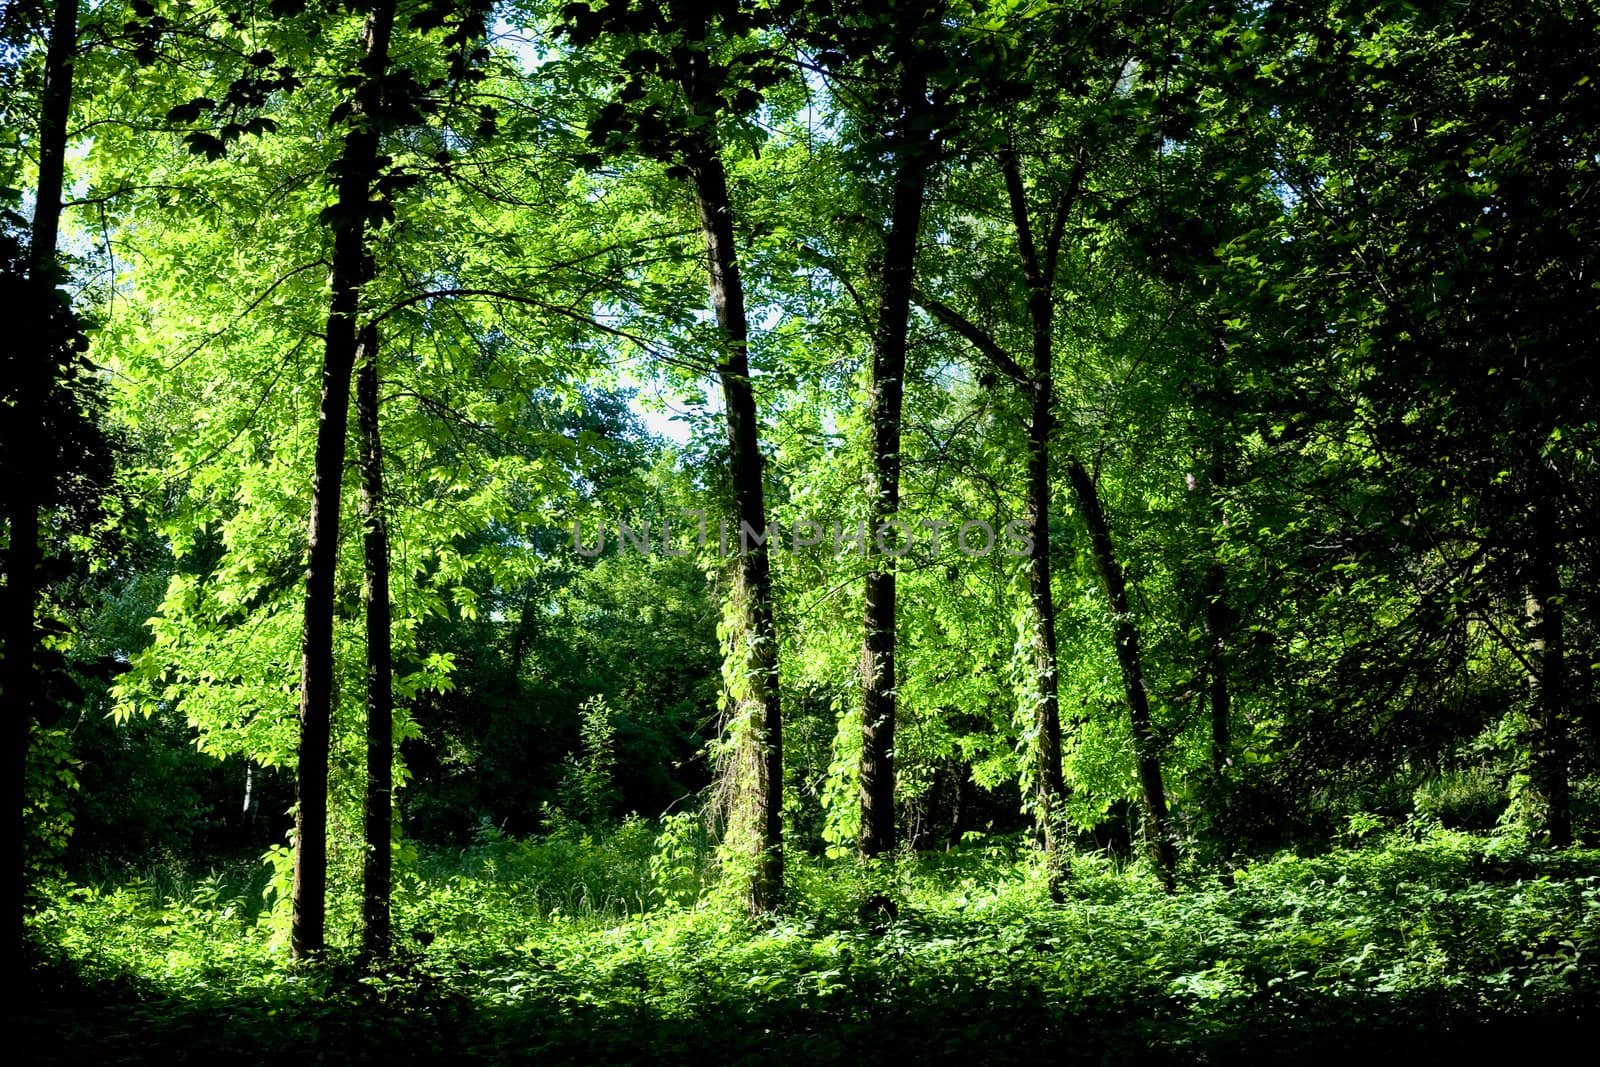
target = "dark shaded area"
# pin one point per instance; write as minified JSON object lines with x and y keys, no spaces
{"x":332,"y":1019}
{"x":639,"y":633}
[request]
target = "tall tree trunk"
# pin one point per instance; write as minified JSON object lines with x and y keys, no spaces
{"x":1216,"y":625}
{"x":55,"y":112}
{"x":913,"y":145}
{"x":1158,"y":843}
{"x":1038,"y":270}
{"x":357,"y":172}
{"x":759,"y":715}
{"x":1051,"y":782}
{"x":19,"y":680}
{"x":379,"y":819}
{"x":522,"y":636}
{"x":1218,"y":619}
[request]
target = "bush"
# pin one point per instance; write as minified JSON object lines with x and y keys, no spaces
{"x":1469,"y":799}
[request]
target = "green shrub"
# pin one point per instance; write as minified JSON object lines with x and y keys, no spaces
{"x":1469,"y":799}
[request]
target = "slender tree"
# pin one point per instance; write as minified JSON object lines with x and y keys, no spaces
{"x":1039,"y":273}
{"x":1036,"y":384}
{"x":379,"y":816}
{"x":357,"y":172}
{"x":911,"y":142}
{"x":704,"y":60}
{"x":756,"y":641}
{"x":35,"y":381}
{"x":1040,"y":208}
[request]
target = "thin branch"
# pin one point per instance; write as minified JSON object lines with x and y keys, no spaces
{"x":973,"y":335}
{"x":543,"y":305}
{"x":257,"y":302}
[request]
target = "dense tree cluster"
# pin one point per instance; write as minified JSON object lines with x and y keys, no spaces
{"x":1265,"y":330}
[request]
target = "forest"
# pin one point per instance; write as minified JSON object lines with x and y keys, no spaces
{"x":788,"y":531}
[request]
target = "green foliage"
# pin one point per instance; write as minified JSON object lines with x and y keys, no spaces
{"x":588,"y":788}
{"x":1469,"y":799}
{"x":51,"y":780}
{"x":682,"y":868}
{"x":1322,"y":324}
{"x":1380,"y":948}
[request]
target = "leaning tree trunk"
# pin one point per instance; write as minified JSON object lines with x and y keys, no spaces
{"x":357,"y":170}
{"x":379,"y":819}
{"x":1158,"y":843}
{"x":758,"y":716}
{"x":36,"y":377}
{"x":913,"y":148}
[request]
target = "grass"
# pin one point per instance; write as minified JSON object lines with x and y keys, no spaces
{"x":575,"y":950}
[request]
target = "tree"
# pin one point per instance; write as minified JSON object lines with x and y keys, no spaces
{"x":1032,"y":113}
{"x":911,"y":142}
{"x":707,"y":62}
{"x":379,"y":100}
{"x":357,"y":171}
{"x":48,"y":364}
{"x":1432,"y":228}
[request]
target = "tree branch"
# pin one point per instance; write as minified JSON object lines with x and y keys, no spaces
{"x":973,"y":335}
{"x":542,"y":305}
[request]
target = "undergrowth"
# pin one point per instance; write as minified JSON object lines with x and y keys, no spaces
{"x":619,"y":949}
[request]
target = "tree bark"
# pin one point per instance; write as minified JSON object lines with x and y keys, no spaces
{"x":357,"y":172}
{"x":1218,"y":619}
{"x":522,"y":635}
{"x":1158,"y":843}
{"x":759,"y":714}
{"x":19,"y":680}
{"x":376,"y":871}
{"x":913,"y":148}
{"x":1218,"y":694}
{"x":1038,"y":271}
{"x":54,"y":114}
{"x":1551,"y":740}
{"x":1052,"y":788}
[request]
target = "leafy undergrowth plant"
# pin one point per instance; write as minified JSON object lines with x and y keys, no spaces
{"x":573,"y":950}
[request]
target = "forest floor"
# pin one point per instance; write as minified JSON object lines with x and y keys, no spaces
{"x":574,"y":951}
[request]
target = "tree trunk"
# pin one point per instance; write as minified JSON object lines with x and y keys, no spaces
{"x":1051,"y":783}
{"x":357,"y":171}
{"x":19,"y":681}
{"x":1218,"y":619}
{"x":1219,"y":697}
{"x":1039,"y":273}
{"x":248,"y":809}
{"x":55,"y":112}
{"x":1158,"y":843}
{"x":759,"y":716}
{"x":913,"y":146}
{"x":376,"y":874}
{"x":522,"y":636}
{"x":1551,"y":740}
